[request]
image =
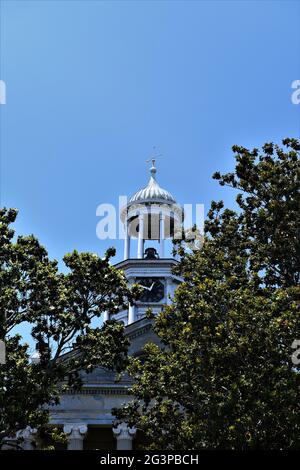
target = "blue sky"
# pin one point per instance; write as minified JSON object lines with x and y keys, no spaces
{"x":92,"y":86}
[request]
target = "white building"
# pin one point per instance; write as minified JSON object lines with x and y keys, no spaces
{"x":150,"y":218}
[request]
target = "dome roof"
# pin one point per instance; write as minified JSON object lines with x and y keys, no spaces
{"x":152,"y":192}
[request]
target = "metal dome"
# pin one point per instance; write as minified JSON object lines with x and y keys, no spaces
{"x":152,"y":192}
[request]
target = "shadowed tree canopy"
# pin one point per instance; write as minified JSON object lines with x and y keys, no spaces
{"x":60,"y":308}
{"x":224,"y":377}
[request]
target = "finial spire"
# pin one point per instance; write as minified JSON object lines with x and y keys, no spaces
{"x":153,"y":160}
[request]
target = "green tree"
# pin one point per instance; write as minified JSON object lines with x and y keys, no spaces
{"x":224,"y":377}
{"x":60,"y":308}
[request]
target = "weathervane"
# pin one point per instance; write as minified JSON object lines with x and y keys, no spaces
{"x":153,"y":160}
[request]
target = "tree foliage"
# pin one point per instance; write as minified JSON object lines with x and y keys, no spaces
{"x":60,"y":308}
{"x":224,"y":377}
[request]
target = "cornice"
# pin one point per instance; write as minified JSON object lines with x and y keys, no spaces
{"x":140,"y":262}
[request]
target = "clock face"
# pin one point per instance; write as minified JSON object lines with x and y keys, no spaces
{"x":153,"y":289}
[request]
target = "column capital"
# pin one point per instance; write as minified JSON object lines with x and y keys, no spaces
{"x":75,"y":430}
{"x":123,"y":431}
{"x":75,"y":433}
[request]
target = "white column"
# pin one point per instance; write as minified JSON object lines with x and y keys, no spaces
{"x":124,"y":436}
{"x":131,"y":307}
{"x":28,"y":438}
{"x":105,"y":316}
{"x":75,"y":434}
{"x":127,"y":242}
{"x":141,"y":237}
{"x":161,"y":236}
{"x":131,"y":314}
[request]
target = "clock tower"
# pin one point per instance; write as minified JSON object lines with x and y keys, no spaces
{"x":151,"y":218}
